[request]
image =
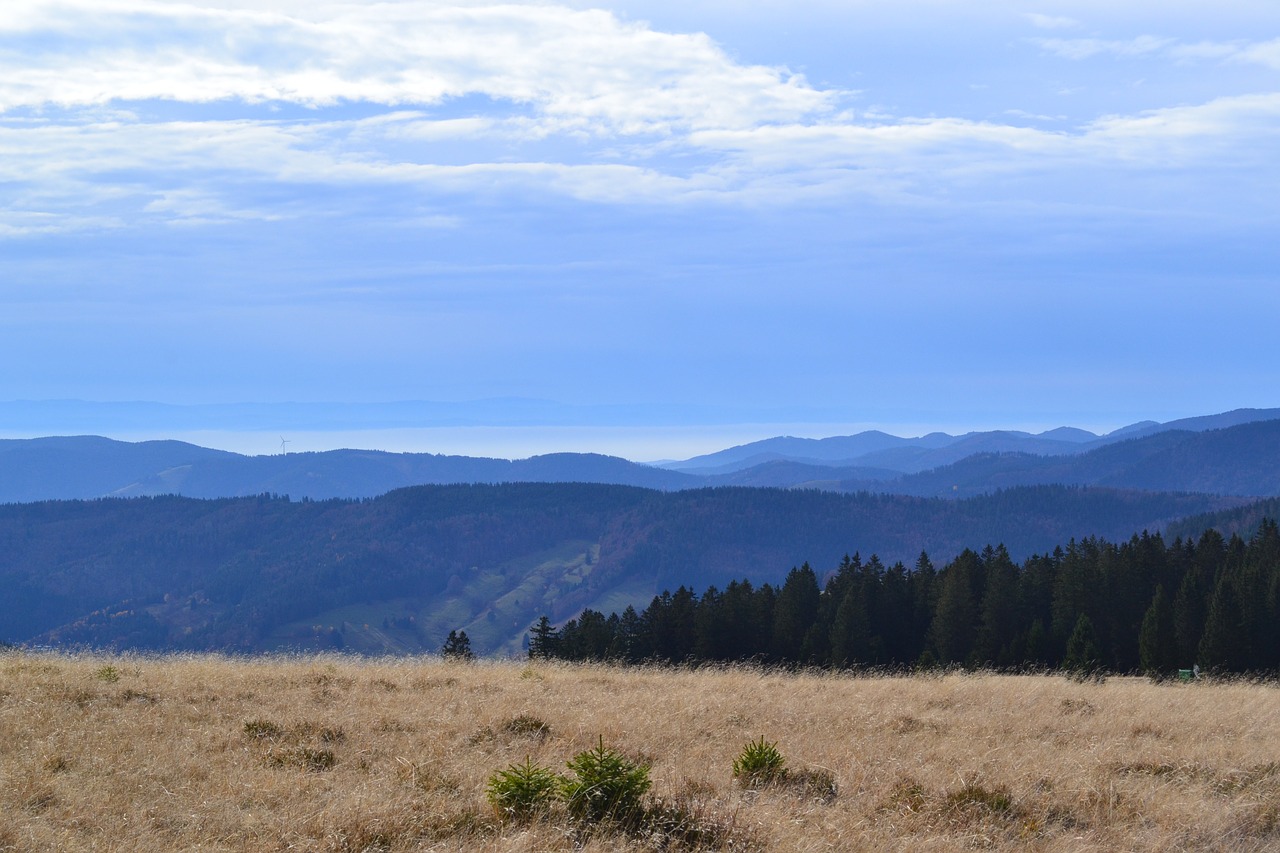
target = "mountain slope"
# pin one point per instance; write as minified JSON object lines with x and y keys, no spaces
{"x":396,"y":573}
{"x":88,"y":466}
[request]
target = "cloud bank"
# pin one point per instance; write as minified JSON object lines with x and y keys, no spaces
{"x":136,"y":112}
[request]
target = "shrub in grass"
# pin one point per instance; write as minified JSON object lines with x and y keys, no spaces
{"x":759,"y":764}
{"x":607,"y":794}
{"x":527,"y":725}
{"x":815,"y":783}
{"x":262,"y":730}
{"x":606,"y":787}
{"x":975,"y":795}
{"x":523,"y":791}
{"x":686,"y":824}
{"x":303,"y":757}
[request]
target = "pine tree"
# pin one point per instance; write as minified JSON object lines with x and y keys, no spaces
{"x":457,"y":646}
{"x":1036,"y":650}
{"x":850,"y":636}
{"x":671,"y":622}
{"x":1075,"y":589}
{"x":956,"y":617}
{"x":1083,"y":656}
{"x":543,"y":640}
{"x":628,"y":642}
{"x":922,"y":592}
{"x":1157,"y":642}
{"x":999,"y":611}
{"x":1191,"y":604}
{"x":1223,"y":646}
{"x":794,"y":614}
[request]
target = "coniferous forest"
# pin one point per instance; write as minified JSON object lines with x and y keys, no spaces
{"x":1092,"y":606}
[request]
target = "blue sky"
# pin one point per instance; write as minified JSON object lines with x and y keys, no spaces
{"x":718,"y":220}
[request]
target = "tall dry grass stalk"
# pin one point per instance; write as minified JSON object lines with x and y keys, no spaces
{"x":329,"y":753}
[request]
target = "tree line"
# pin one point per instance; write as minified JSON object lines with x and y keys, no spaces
{"x":1140,"y":605}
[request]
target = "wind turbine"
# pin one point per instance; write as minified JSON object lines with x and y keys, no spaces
{"x":283,"y":449}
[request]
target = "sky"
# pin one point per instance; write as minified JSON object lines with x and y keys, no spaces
{"x":679,"y":224}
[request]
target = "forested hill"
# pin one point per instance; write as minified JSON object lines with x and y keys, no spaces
{"x":396,"y":573}
{"x":1093,"y":606}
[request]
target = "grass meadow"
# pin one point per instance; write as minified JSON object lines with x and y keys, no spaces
{"x":110,"y":753}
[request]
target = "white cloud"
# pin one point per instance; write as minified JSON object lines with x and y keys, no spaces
{"x":1086,"y":48}
{"x":1264,"y":53}
{"x":467,"y":98}
{"x":1052,"y":22}
{"x":1261,"y":53}
{"x":611,"y":75}
{"x":1237,"y":132}
{"x":189,"y":206}
{"x":937,"y":159}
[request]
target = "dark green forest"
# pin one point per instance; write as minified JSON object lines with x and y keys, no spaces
{"x":395,"y":574}
{"x":1090,"y":606}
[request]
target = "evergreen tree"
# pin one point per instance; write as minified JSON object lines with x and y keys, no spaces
{"x":954,"y":622}
{"x":629,"y":640}
{"x":922,"y":590}
{"x":893,"y":641}
{"x":1264,"y":552}
{"x":1074,"y":590}
{"x":1035,"y":597}
{"x":1137,"y":568}
{"x":1157,"y":642}
{"x":1036,"y":650}
{"x":850,"y":632}
{"x":543,"y":640}
{"x":1191,"y":604}
{"x":1223,"y":646}
{"x":595,"y":635}
{"x":710,"y":637}
{"x":1083,"y":656}
{"x":999,"y":612}
{"x":457,"y":646}
{"x":672,"y":625}
{"x":794,"y":614}
{"x":747,"y":621}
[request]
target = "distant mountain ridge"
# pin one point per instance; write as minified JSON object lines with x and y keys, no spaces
{"x":876,"y":449}
{"x":1234,"y":453}
{"x":92,"y":467}
{"x":1240,"y":460}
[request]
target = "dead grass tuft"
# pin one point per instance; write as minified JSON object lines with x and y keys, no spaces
{"x":527,"y":725}
{"x":304,"y":757}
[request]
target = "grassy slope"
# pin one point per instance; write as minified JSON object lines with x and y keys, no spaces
{"x":493,"y":606}
{"x":159,"y":758}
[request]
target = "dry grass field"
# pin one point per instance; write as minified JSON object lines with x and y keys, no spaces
{"x":336,"y":754}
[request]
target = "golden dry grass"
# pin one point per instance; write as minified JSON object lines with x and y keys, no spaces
{"x":128,"y":754}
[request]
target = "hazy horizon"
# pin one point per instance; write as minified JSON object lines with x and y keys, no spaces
{"x":655,"y":441}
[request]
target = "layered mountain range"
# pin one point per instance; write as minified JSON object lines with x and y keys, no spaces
{"x":382,"y":552}
{"x":1235,"y":453}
